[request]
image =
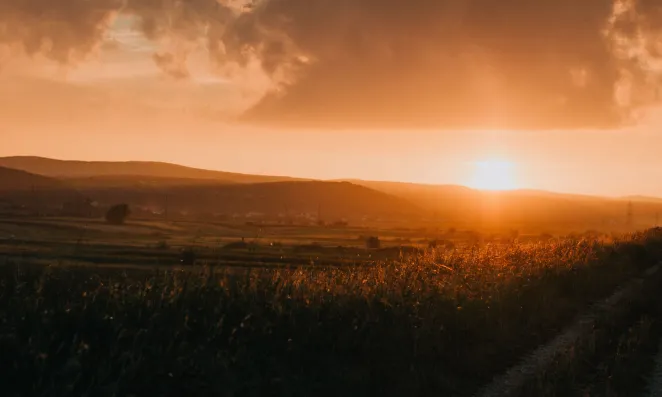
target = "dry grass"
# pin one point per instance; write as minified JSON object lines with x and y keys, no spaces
{"x":443,"y":322}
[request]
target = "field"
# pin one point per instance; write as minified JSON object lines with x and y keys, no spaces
{"x":92,"y":309}
{"x":91,"y":241}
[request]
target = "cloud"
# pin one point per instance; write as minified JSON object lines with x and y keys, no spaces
{"x":171,"y":65}
{"x":517,"y":64}
{"x":462,"y":64}
{"x":65,"y":31}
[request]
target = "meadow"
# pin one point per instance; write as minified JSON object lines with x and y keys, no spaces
{"x":239,"y":244}
{"x":442,"y":321}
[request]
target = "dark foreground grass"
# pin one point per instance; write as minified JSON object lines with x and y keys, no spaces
{"x":443,"y":322}
{"x":617,"y":359}
{"x":624,"y":371}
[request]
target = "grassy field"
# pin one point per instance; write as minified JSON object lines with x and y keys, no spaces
{"x":155,"y":243}
{"x":444,"y":321}
{"x":76,"y":241}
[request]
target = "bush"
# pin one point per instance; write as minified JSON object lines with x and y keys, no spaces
{"x":373,"y":242}
{"x":188,"y":257}
{"x":117,"y":214}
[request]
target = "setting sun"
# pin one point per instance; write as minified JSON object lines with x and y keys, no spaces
{"x":493,"y":175}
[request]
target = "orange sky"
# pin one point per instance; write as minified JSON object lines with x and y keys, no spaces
{"x":594,"y":162}
{"x":117,"y":103}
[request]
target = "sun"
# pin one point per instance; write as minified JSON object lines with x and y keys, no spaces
{"x":493,"y":175}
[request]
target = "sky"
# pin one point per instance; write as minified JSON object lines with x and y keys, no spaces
{"x":550,"y":94}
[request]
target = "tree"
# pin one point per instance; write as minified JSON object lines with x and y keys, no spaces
{"x":117,"y":214}
{"x":187,"y":257}
{"x":373,"y":242}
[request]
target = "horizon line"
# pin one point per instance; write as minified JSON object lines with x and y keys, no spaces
{"x":350,"y":179}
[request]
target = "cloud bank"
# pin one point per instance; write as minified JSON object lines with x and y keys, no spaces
{"x":511,"y":64}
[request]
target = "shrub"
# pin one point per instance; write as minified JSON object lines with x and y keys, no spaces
{"x":117,"y":214}
{"x":187,"y":257}
{"x":373,"y":243}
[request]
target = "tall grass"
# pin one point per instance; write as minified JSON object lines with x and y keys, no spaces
{"x":444,"y":321}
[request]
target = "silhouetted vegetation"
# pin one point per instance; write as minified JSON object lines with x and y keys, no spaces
{"x":373,"y":242}
{"x":188,"y":256}
{"x":118,"y":214}
{"x":440,"y":322}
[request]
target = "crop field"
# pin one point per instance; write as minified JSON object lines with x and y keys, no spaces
{"x":91,"y":241}
{"x":444,"y":321}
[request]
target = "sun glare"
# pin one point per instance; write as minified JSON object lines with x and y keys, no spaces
{"x":493,"y":175}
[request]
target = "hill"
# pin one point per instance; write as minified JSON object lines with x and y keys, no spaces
{"x":465,"y":207}
{"x":85,"y":169}
{"x":334,"y":200}
{"x":23,"y":189}
{"x":434,"y":197}
{"x":12,"y":180}
{"x":198,"y":191}
{"x":138,"y":181}
{"x":643,"y":199}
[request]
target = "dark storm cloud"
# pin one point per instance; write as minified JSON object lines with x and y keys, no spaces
{"x":503,"y":64}
{"x":394,"y":63}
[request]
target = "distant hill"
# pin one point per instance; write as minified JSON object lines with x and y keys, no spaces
{"x":192,"y":190}
{"x":83,"y":169}
{"x":18,"y":180}
{"x":643,"y":199}
{"x":334,"y":200}
{"x":430,"y":196}
{"x":138,"y":181}
{"x":197,"y":191}
{"x":519,"y":208}
{"x":20,"y":188}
